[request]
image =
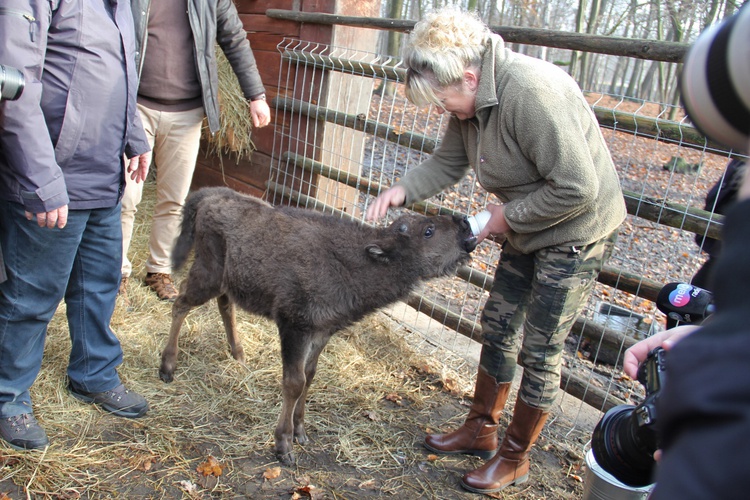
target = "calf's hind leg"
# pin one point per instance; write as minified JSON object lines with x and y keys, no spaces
{"x":229,"y":318}
{"x":180,"y":310}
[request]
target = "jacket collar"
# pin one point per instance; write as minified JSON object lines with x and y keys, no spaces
{"x":494,"y":61}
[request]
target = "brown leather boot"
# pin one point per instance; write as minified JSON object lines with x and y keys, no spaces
{"x":478,"y":435}
{"x":511,"y":465}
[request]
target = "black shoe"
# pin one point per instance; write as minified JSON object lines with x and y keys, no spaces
{"x":22,"y":432}
{"x":118,"y":401}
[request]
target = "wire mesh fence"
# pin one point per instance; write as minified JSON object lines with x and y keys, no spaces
{"x":348,"y":132}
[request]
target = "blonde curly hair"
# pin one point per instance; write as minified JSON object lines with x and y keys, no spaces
{"x":441,"y":47}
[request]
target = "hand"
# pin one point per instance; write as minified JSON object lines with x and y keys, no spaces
{"x":53,"y":218}
{"x":393,"y":197}
{"x":260,"y":113}
{"x":497,"y":224}
{"x":138,"y":167}
{"x":638,"y":353}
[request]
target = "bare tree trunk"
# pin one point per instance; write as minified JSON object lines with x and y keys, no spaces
{"x":388,"y":87}
{"x":645,"y":89}
{"x":574,"y":70}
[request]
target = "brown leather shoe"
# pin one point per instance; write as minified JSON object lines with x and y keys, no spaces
{"x":511,"y":464}
{"x":478,"y":435}
{"x":163,"y":285}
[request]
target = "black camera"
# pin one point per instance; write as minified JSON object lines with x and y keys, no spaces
{"x":715,"y":81}
{"x":624,"y":440}
{"x":11,"y":83}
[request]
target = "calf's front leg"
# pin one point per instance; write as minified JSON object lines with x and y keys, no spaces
{"x":180,"y":310}
{"x":292,"y":388}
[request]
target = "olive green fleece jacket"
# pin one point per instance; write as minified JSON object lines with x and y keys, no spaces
{"x":536,"y":145}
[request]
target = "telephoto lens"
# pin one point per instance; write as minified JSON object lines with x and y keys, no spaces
{"x":624,"y":440}
{"x":624,"y":448}
{"x":715,"y":81}
{"x":11,"y":83}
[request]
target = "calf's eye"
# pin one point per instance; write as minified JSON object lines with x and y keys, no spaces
{"x":429,"y":232}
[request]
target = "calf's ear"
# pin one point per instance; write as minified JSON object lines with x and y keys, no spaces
{"x":376,"y":252}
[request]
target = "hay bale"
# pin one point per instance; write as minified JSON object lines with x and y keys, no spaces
{"x":236,"y":124}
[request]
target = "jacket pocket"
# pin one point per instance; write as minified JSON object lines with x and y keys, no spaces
{"x":28,"y":16}
{"x":71,"y":128}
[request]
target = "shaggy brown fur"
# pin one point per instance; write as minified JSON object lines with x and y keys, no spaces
{"x":313,"y":274}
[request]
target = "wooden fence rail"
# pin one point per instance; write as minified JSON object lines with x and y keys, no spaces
{"x":655,"y":210}
{"x":655,"y":128}
{"x":653,"y":50}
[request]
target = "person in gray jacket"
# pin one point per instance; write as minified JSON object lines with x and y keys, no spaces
{"x":63,"y":146}
{"x":179,"y":85}
{"x":525,"y":128}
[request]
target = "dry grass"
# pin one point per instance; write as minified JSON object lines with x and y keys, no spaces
{"x":236,"y":125}
{"x":368,"y":410}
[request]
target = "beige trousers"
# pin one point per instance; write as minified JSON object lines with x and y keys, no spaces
{"x":175,"y":141}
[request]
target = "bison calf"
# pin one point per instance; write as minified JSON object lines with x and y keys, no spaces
{"x":313,"y":274}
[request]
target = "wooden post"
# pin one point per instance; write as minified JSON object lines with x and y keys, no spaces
{"x":343,"y":147}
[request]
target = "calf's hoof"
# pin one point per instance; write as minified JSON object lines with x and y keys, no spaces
{"x":166,"y":376}
{"x":286,"y":458}
{"x":301,"y":437}
{"x":239,"y":355}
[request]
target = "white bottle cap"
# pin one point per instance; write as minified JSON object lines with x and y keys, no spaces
{"x":478,"y":221}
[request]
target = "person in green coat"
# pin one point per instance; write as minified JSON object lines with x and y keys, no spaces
{"x":526,"y":129}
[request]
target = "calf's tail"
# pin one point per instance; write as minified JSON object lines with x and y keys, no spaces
{"x":185,"y":240}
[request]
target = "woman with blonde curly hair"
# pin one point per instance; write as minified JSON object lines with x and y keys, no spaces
{"x":525,"y":128}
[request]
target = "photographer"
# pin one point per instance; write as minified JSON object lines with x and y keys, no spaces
{"x":704,"y":408}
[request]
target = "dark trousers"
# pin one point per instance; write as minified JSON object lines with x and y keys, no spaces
{"x":80,"y":263}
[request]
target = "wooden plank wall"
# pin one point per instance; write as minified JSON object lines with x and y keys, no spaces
{"x":264,"y":34}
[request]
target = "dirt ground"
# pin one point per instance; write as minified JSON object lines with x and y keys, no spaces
{"x":209,"y":434}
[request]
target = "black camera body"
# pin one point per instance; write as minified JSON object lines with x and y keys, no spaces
{"x":11,"y":83}
{"x":624,"y":440}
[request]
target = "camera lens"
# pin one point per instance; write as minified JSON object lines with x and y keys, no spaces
{"x":715,"y":81}
{"x":623,"y":448}
{"x":11,"y":83}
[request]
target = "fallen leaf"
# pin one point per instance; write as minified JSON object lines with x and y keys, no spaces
{"x":272,"y":473}
{"x":141,"y":462}
{"x":394,"y":397}
{"x":211,"y":467}
{"x":187,"y":486}
{"x":309,"y":491}
{"x":450,"y":384}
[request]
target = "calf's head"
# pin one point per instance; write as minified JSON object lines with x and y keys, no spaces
{"x":433,"y":246}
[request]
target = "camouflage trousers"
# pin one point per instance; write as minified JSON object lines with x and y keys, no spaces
{"x":533,"y":303}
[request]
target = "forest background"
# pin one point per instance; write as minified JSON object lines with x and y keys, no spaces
{"x":662,"y":20}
